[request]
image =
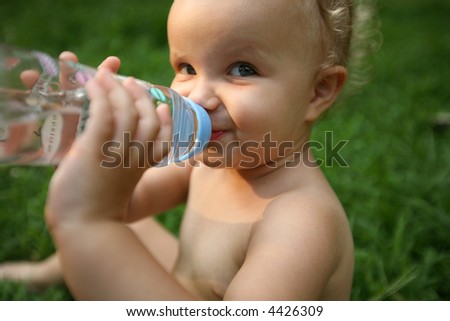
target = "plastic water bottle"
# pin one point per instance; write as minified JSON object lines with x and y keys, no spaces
{"x":44,"y":106}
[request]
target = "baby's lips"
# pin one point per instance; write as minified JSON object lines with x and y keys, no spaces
{"x":216,"y":134}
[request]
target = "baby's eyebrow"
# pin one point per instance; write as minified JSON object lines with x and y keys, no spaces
{"x":246,"y":51}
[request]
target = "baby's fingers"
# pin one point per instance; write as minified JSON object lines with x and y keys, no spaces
{"x":165,"y":133}
{"x":148,"y":126}
{"x":126,"y":116}
{"x":67,"y":72}
{"x":154,"y":127}
{"x":100,"y":127}
{"x":29,"y":78}
{"x":111,"y":63}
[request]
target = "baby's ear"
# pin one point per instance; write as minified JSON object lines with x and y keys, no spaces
{"x":328,"y":86}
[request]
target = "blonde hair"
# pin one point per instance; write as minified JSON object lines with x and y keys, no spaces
{"x":337,"y":30}
{"x":350,"y":30}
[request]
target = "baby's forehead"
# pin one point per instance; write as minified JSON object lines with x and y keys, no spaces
{"x":296,"y":16}
{"x":279,"y":28}
{"x":287,"y":8}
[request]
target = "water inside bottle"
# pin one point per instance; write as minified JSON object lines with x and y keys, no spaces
{"x":44,"y":106}
{"x":39,"y":129}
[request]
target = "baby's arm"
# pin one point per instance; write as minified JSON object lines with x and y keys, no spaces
{"x":155,"y":193}
{"x":102,"y":258}
{"x":294,"y":252}
{"x":39,"y":275}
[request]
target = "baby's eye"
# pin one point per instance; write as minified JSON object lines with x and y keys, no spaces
{"x":187,"y":69}
{"x":241,"y":69}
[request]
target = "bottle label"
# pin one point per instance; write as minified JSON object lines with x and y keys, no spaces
{"x":51,"y":134}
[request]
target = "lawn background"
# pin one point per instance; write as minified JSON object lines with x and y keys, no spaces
{"x":396,"y":189}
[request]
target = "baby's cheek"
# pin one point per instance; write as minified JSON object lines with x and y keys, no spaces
{"x":254,"y":125}
{"x":247,"y":110}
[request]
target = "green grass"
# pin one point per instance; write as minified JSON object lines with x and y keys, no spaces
{"x":395,"y":190}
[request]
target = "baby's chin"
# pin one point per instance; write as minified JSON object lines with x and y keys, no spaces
{"x":214,"y":156}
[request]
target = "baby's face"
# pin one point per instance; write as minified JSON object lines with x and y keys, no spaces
{"x":251,"y":64}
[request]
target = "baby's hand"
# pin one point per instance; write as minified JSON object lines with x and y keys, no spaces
{"x":122,"y":115}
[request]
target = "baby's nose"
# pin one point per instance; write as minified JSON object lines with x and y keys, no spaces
{"x":204,"y":95}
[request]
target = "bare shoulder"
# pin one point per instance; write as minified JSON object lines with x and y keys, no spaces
{"x":301,"y":249}
{"x":307,"y":207}
{"x":307,"y":216}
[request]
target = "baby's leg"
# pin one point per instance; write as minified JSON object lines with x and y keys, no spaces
{"x":39,"y":275}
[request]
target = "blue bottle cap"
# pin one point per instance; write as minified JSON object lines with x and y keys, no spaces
{"x":204,"y":130}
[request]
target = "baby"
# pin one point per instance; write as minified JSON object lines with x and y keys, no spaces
{"x":261,"y":221}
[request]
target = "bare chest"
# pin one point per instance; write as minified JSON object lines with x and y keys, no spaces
{"x":211,"y":253}
{"x":215,"y":233}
